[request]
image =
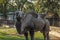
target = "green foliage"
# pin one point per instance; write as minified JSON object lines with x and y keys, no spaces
{"x":52,"y":6}
{"x":1,"y":1}
{"x":39,"y":6}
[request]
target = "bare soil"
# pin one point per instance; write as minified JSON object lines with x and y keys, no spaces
{"x":54,"y":33}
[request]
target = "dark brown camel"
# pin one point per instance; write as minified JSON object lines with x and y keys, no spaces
{"x":32,"y":24}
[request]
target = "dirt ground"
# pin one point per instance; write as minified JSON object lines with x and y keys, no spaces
{"x":54,"y":33}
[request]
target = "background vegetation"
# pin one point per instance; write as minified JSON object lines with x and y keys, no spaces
{"x":39,"y":6}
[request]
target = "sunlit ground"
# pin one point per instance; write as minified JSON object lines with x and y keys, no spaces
{"x":11,"y":34}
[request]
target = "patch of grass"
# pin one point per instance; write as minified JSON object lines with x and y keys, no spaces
{"x":11,"y":34}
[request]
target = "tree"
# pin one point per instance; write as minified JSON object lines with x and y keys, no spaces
{"x":1,"y":1}
{"x":52,"y":5}
{"x":12,"y":6}
{"x":6,"y":6}
{"x":4,"y":9}
{"x":28,"y":6}
{"x":20,"y":4}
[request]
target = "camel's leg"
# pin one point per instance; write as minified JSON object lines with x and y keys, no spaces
{"x":45,"y":35}
{"x":48,"y":35}
{"x":32,"y":35}
{"x":26,"y":35}
{"x":46,"y":32}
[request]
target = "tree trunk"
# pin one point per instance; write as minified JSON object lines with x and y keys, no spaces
{"x":5,"y":9}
